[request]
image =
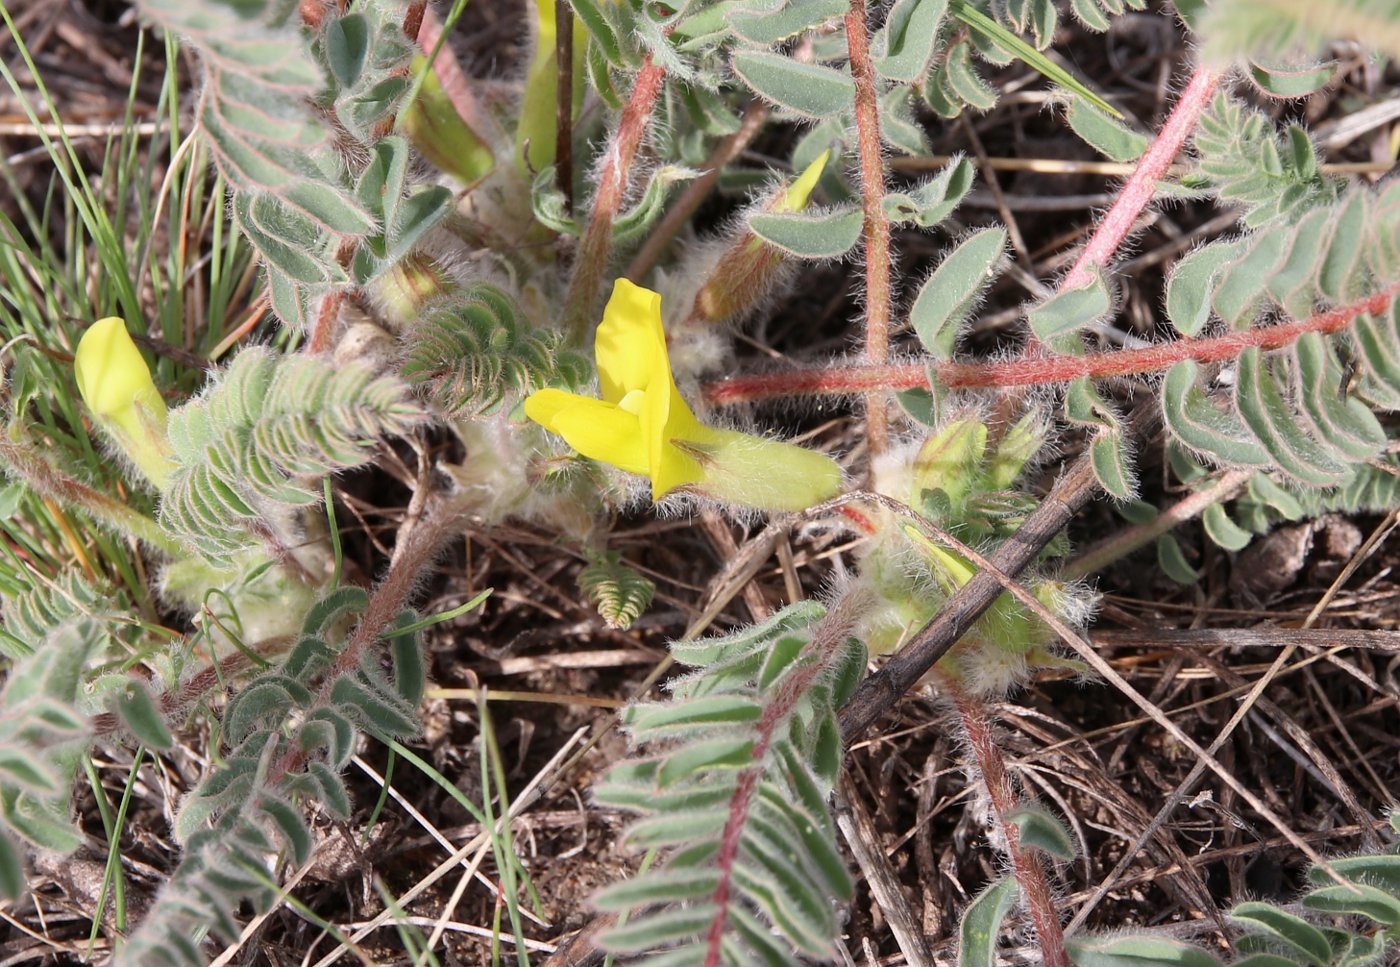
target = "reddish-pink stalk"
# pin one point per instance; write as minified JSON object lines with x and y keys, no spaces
{"x":1142,"y":185}
{"x":420,"y":546}
{"x":843,"y":380}
{"x":878,"y":297}
{"x":832,"y":629}
{"x":1029,"y":871}
{"x":613,"y":179}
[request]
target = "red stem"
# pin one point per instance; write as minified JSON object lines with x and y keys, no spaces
{"x":596,"y":246}
{"x":830,"y":632}
{"x":1140,"y":188}
{"x":838,"y":381}
{"x":1030,"y":872}
{"x":878,"y":298}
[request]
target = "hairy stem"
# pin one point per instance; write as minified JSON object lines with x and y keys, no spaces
{"x":420,"y":546}
{"x":678,"y":214}
{"x":28,"y":464}
{"x":878,"y":299}
{"x":845,"y":380}
{"x":832,"y":629}
{"x":596,"y":245}
{"x":1096,"y":558}
{"x":1030,"y":872}
{"x":1141,"y":186}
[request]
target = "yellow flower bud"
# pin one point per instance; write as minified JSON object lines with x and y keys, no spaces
{"x":116,"y":385}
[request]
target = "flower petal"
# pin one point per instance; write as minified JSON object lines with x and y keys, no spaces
{"x":544,"y":405}
{"x":603,"y":432}
{"x":630,"y":347}
{"x":113,"y":377}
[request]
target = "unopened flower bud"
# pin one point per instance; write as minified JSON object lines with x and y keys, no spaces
{"x":433,"y":124}
{"x":115,"y":383}
{"x":747,"y":270}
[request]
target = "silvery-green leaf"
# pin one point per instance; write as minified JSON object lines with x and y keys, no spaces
{"x":901,"y":49}
{"x":768,"y":23}
{"x":950,"y":293}
{"x":809,"y":89}
{"x":981,"y":923}
{"x":809,"y":235}
{"x":1108,"y":136}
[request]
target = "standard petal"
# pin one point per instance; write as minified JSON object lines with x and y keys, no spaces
{"x":630,"y":347}
{"x":603,"y":432}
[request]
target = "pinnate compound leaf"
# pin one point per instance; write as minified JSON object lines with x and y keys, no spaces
{"x":807,"y":89}
{"x":1203,"y":426}
{"x":981,"y":923}
{"x":809,"y":236}
{"x":619,"y":592}
{"x":1271,"y":420}
{"x":952,"y":291}
{"x":1345,"y":425}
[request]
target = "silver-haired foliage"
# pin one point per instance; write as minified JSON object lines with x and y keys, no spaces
{"x":288,"y":734}
{"x":297,"y":116}
{"x":733,"y":783}
{"x":619,"y":592}
{"x":31,"y":615}
{"x":475,"y":349}
{"x":42,"y":739}
{"x":261,"y":437}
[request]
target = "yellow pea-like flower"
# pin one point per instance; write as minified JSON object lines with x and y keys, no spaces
{"x":643,"y":425}
{"x":116,"y":385}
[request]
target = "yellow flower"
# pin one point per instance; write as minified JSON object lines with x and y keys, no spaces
{"x":643,"y":425}
{"x":116,"y":385}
